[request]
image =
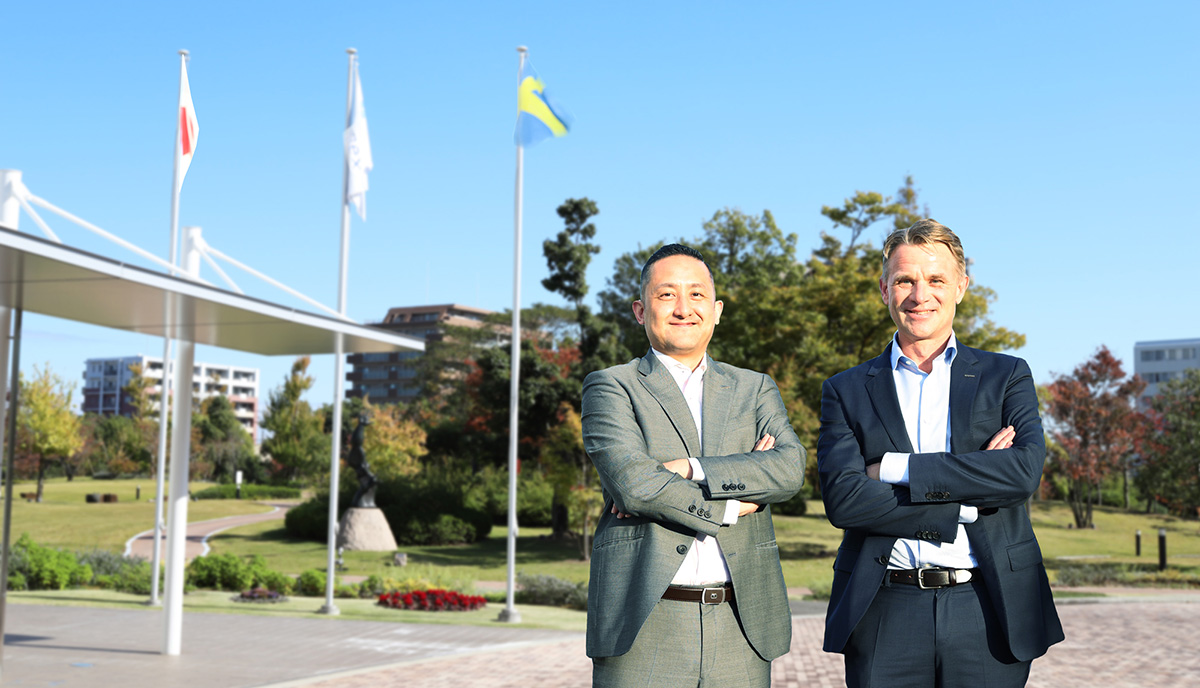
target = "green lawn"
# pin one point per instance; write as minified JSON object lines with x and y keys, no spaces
{"x":64,"y":519}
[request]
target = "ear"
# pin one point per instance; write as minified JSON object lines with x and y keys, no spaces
{"x":883,"y":288}
{"x":718,"y":308}
{"x":962,"y":288}
{"x":639,"y":312}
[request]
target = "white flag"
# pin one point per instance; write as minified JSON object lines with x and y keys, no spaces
{"x":189,"y":126}
{"x":358,"y":151}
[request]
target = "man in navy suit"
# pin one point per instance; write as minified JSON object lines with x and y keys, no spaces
{"x":927,"y":455}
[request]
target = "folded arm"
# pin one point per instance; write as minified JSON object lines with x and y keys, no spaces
{"x":853,"y":500}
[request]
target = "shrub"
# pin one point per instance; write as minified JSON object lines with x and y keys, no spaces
{"x":309,"y":520}
{"x":43,"y":568}
{"x":249,"y":491}
{"x":796,"y":506}
{"x":311,"y":583}
{"x":275,"y":582}
{"x":113,"y":571}
{"x":550,"y":591}
{"x":220,"y":572}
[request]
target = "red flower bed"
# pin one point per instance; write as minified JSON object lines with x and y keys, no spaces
{"x":432,"y":600}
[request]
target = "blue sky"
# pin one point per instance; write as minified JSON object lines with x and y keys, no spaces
{"x":1058,"y":139}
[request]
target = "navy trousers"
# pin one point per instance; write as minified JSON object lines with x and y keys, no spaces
{"x":943,"y":638}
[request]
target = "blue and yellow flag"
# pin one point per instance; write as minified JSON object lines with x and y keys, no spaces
{"x":538,"y":116}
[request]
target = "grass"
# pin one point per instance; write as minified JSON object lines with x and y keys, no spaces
{"x":309,"y":607}
{"x":64,"y":519}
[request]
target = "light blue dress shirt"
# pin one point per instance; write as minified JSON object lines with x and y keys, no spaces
{"x":925,"y":404}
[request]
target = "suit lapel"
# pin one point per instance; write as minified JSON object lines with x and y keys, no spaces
{"x":659,"y":383}
{"x":964,"y":382}
{"x":716,"y":407}
{"x":881,"y":388}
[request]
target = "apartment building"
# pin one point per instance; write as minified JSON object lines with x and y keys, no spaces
{"x":392,"y":377}
{"x":106,"y":378}
{"x":1160,"y":361}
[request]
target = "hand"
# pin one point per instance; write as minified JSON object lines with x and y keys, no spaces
{"x":680,"y":467}
{"x":747,"y":508}
{"x":618,"y":513}
{"x":766,"y":443}
{"x":1003,"y":439}
{"x":873,"y":470}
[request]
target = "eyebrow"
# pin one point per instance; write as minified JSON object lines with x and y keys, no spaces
{"x":677,"y":285}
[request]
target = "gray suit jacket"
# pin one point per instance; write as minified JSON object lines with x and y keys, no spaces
{"x":634,"y":419}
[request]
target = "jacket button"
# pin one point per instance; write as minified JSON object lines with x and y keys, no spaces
{"x":725,"y":486}
{"x":935,"y":535}
{"x":682,"y":549}
{"x":692,"y":508}
{"x":707,"y":514}
{"x":741,"y":486}
{"x":931,"y":495}
{"x":883,"y":560}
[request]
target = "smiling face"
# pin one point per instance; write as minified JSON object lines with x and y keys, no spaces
{"x":921,"y":285}
{"x":679,"y":308}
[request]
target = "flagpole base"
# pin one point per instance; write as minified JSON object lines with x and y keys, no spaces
{"x":330,"y":609}
{"x":509,"y":615}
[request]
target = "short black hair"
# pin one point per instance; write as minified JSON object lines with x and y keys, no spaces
{"x":673,"y":250}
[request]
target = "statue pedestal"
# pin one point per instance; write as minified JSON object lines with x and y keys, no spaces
{"x":365,"y":530}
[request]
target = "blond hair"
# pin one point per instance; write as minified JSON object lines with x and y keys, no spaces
{"x":925,"y":233}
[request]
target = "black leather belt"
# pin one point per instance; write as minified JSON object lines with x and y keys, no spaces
{"x":715,"y":595}
{"x":932,"y":577}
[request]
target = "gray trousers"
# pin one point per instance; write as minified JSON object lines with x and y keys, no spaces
{"x":943,"y":638}
{"x":686,"y":644}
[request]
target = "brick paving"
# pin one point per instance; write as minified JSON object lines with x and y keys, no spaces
{"x":1127,"y":644}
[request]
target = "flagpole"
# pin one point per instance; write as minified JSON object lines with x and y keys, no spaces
{"x":509,"y":613}
{"x":164,"y":396}
{"x":338,"y":363}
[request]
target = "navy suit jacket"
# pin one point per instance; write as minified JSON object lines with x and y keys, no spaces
{"x":861,"y":420}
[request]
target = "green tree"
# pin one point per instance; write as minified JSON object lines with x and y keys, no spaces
{"x":52,"y":430}
{"x":225,"y":444}
{"x":1170,"y":472}
{"x":569,"y":471}
{"x":297,"y":446}
{"x":393,"y":443}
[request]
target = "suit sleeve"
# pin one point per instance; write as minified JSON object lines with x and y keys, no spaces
{"x":854,"y":501}
{"x":638,"y":483}
{"x":989,"y":478}
{"x":762,"y":477}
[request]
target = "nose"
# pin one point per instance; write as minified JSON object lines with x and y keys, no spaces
{"x":920,"y":291}
{"x":683,"y":308}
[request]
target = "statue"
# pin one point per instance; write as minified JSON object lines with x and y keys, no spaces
{"x":364,"y":498}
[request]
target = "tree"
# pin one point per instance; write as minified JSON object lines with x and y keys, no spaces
{"x":52,"y":430}
{"x":1092,"y":417}
{"x":567,"y":257}
{"x":569,"y":471}
{"x":140,"y":395}
{"x":1170,"y":472}
{"x":297,"y":445}
{"x":225,"y":445}
{"x":392,"y":443}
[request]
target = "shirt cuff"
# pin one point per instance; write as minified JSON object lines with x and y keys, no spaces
{"x":894,"y":468}
{"x":732,"y":507}
{"x":697,"y":470}
{"x":967,"y":514}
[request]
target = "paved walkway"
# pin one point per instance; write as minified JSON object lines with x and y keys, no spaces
{"x":1122,"y":642}
{"x":198,"y":533}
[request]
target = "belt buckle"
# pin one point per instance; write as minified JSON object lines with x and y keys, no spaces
{"x":713,"y":596}
{"x":921,"y":578}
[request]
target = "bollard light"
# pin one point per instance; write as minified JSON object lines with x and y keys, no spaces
{"x":1137,"y":544}
{"x":1162,"y":549}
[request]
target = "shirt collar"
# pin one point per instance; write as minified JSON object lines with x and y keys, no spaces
{"x":948,"y":355}
{"x":678,"y":370}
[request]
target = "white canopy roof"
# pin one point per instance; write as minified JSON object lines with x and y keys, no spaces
{"x":40,"y":276}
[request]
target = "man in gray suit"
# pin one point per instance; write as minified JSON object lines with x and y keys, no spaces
{"x":686,"y":587}
{"x":927,"y":455}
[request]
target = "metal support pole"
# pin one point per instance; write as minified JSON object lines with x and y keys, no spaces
{"x":1137,"y":544}
{"x":510,"y":614}
{"x":180,"y":447}
{"x":5,"y":323}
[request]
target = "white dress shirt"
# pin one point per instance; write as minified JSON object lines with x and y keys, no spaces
{"x":925,"y":404}
{"x":705,"y":563}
